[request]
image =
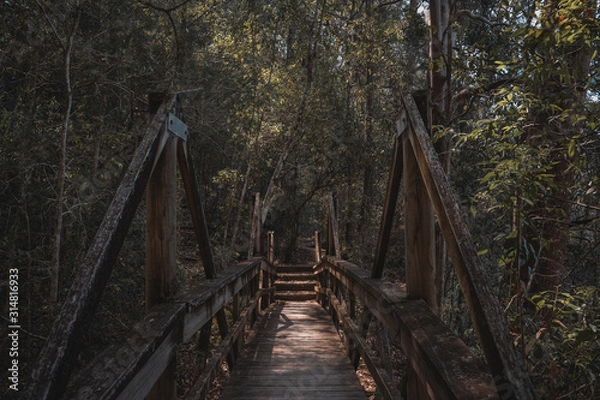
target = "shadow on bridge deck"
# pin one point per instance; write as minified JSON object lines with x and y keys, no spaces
{"x":295,"y":354}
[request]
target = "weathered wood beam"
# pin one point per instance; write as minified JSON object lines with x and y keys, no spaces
{"x":218,"y":293}
{"x":130,"y":370}
{"x":486,"y":314}
{"x":443,"y":362}
{"x":228,"y":344}
{"x":51,"y":373}
{"x":391,"y":199}
{"x":196,"y":207}
{"x":161,"y":248}
{"x":385,"y":383}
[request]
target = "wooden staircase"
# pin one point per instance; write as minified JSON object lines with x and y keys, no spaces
{"x":295,"y":282}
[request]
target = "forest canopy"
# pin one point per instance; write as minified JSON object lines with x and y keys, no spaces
{"x":297,"y":100}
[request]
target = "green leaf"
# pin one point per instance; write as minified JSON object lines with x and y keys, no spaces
{"x":584,"y":336}
{"x":571,"y":148}
{"x":474,"y":210}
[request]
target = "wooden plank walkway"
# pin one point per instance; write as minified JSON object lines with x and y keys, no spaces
{"x":296,"y":354}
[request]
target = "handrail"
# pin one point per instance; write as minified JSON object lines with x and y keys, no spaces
{"x":153,"y":169}
{"x":488,"y":320}
{"x":445,"y":364}
{"x":426,"y":191}
{"x":52,"y":371}
{"x":130,"y":370}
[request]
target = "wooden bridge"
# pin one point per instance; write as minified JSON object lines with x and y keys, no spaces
{"x":298,"y":349}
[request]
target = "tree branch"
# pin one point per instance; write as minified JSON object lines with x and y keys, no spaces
{"x":389,"y":3}
{"x":470,"y":14}
{"x":467,"y":93}
{"x":163,"y":9}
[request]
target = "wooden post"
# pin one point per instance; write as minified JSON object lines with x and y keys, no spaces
{"x":317,"y":248}
{"x":263,"y":284}
{"x":271,"y":258}
{"x":423,"y":102}
{"x":271,"y":254}
{"x":420,"y":249}
{"x":419,"y":233}
{"x":488,"y":320}
{"x":255,"y":228}
{"x":329,"y":238}
{"x":352,"y":305}
{"x":258,"y":242}
{"x":161,"y":248}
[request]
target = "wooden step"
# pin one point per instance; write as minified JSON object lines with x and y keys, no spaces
{"x":289,"y":285}
{"x":295,"y":277}
{"x":295,"y":282}
{"x":295,"y":268}
{"x":295,"y":295}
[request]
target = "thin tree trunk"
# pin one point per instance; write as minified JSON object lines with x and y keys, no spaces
{"x":238,"y":217}
{"x":295,"y":130}
{"x":440,"y":54}
{"x":368,"y":181}
{"x":62,"y":167}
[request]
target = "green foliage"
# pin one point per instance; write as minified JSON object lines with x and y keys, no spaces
{"x":532,"y":132}
{"x":322,"y":81}
{"x":564,"y":358}
{"x":532,"y":136}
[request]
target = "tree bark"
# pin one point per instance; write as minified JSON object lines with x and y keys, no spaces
{"x":440,"y":54}
{"x":62,"y":166}
{"x":368,"y":181}
{"x":295,"y":129}
{"x":550,"y":214}
{"x":240,"y":205}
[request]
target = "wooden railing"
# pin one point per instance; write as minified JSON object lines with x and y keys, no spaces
{"x":145,"y":366}
{"x":442,"y":361}
{"x":440,"y":365}
{"x":129,"y":371}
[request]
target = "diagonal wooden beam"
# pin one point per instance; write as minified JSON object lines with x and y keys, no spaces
{"x":53,"y":369}
{"x":186,"y":169}
{"x":391,"y":198}
{"x":192,"y":191}
{"x":491,"y":327}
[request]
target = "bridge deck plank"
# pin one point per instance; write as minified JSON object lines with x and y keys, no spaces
{"x":296,"y":354}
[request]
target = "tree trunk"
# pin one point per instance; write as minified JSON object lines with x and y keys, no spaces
{"x":550,"y":215}
{"x":295,"y":136}
{"x":62,"y":167}
{"x":368,"y":181}
{"x":240,"y":205}
{"x":440,"y":54}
